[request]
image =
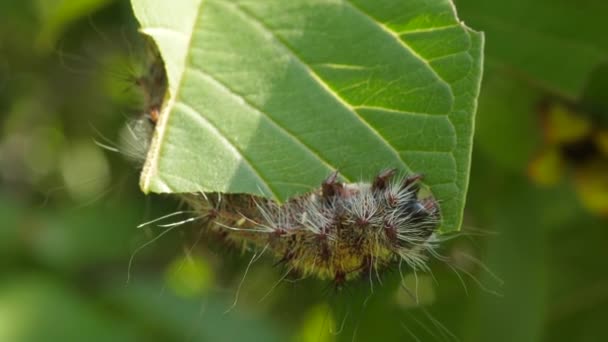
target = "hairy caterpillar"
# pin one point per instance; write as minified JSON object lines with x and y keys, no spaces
{"x":338,"y":232}
{"x":136,"y":136}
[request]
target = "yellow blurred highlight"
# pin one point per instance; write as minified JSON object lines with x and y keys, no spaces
{"x":565,"y":126}
{"x":189,"y":276}
{"x":547,"y":168}
{"x":601,"y":140}
{"x":592,"y":187}
{"x":85,"y":170}
{"x":317,"y":326}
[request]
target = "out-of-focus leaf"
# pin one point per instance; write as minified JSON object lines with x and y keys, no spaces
{"x":508,"y":129}
{"x":594,"y":97}
{"x":35,"y":308}
{"x":56,"y":15}
{"x":517,"y":257}
{"x":202,"y":319}
{"x":268,"y":97}
{"x":75,"y":237}
{"x":10,"y":241}
{"x":577,"y":255}
{"x":555,"y":43}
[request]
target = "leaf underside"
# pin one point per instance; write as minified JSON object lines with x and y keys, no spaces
{"x":270,"y":96}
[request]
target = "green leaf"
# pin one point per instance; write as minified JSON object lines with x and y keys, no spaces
{"x":58,"y":313}
{"x":56,"y":15}
{"x":517,"y":256}
{"x":269,"y":97}
{"x":508,"y":129}
{"x":203,"y":319}
{"x":556,"y":44}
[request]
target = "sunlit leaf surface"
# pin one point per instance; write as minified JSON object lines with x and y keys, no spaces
{"x":269,"y":97}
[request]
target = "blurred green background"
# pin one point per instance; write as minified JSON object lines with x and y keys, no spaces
{"x":537,"y":211}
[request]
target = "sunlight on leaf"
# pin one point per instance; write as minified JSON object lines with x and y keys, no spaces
{"x":269,"y":97}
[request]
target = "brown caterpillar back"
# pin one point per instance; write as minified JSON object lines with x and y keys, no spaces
{"x":338,"y":232}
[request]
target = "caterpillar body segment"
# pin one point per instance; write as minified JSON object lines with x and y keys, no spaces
{"x":338,"y":232}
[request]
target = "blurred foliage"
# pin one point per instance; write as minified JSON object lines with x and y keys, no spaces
{"x":69,"y":210}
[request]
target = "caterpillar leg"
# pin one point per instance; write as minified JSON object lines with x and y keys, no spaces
{"x":409,"y":182}
{"x":331,"y":186}
{"x":382,"y":179}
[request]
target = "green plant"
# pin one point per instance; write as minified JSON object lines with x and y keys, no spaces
{"x":269,"y":97}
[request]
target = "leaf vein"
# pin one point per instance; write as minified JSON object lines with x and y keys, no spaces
{"x":254,"y":20}
{"x":403,"y":44}
{"x":283,"y":130}
{"x":204,"y":122}
{"x":427,"y":30}
{"x":390,"y":110}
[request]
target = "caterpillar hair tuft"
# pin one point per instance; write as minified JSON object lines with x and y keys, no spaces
{"x":338,"y":232}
